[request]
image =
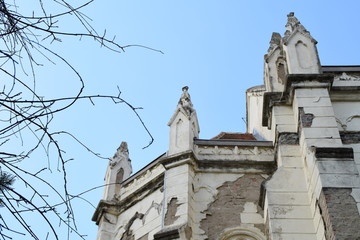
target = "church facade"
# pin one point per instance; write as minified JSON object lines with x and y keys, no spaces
{"x":293,"y":176}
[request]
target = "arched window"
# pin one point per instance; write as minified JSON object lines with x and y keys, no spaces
{"x":118,"y":180}
{"x":242,"y":233}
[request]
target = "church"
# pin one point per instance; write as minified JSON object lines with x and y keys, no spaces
{"x":293,"y":176}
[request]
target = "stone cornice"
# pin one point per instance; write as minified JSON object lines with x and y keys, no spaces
{"x":348,"y":68}
{"x":186,"y":157}
{"x":239,"y":166}
{"x":232,"y":142}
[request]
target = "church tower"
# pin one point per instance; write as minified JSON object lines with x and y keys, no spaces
{"x":295,"y":174}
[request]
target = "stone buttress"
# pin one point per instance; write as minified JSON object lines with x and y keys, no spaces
{"x":314,"y":166}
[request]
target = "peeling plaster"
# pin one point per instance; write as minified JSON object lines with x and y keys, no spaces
{"x":170,"y":216}
{"x":233,"y":198}
{"x":305,"y":118}
{"x":127,"y":234}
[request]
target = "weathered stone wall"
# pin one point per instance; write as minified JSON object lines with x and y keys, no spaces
{"x":232,"y":200}
{"x":342,"y":213}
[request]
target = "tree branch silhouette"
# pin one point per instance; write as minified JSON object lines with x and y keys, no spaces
{"x":25,"y":41}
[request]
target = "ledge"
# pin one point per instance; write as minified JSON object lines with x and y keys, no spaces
{"x":353,"y":68}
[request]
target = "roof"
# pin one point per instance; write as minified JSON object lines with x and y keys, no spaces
{"x":237,"y":136}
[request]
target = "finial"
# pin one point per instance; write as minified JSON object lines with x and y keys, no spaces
{"x":185,"y":101}
{"x":123,"y":147}
{"x":185,"y":88}
{"x":275,"y":41}
{"x":292,"y":25}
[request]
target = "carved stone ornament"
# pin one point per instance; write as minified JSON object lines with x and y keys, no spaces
{"x":346,"y":77}
{"x":185,"y":101}
{"x":293,"y":25}
{"x":274,"y":42}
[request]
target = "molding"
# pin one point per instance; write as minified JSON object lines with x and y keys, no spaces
{"x":185,"y":157}
{"x":345,"y":93}
{"x":243,"y":143}
{"x":349,"y":68}
{"x":241,"y":166}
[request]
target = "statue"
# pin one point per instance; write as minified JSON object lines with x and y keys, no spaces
{"x":294,"y":24}
{"x":185,"y":101}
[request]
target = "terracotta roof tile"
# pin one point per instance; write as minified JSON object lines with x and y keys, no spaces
{"x":231,"y":136}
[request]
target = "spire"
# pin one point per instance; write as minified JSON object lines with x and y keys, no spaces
{"x":184,"y":126}
{"x":118,"y":170}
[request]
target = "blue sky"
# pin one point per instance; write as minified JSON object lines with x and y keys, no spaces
{"x":214,"y":47}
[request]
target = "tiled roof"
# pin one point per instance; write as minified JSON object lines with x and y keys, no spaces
{"x":238,"y":136}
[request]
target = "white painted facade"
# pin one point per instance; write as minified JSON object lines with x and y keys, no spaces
{"x":296,"y":176}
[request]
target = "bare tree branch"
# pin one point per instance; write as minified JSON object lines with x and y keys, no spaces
{"x":24,"y":45}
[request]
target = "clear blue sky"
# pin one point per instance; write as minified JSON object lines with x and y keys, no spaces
{"x":214,"y":47}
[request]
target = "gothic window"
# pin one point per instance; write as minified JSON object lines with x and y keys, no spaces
{"x":118,"y":180}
